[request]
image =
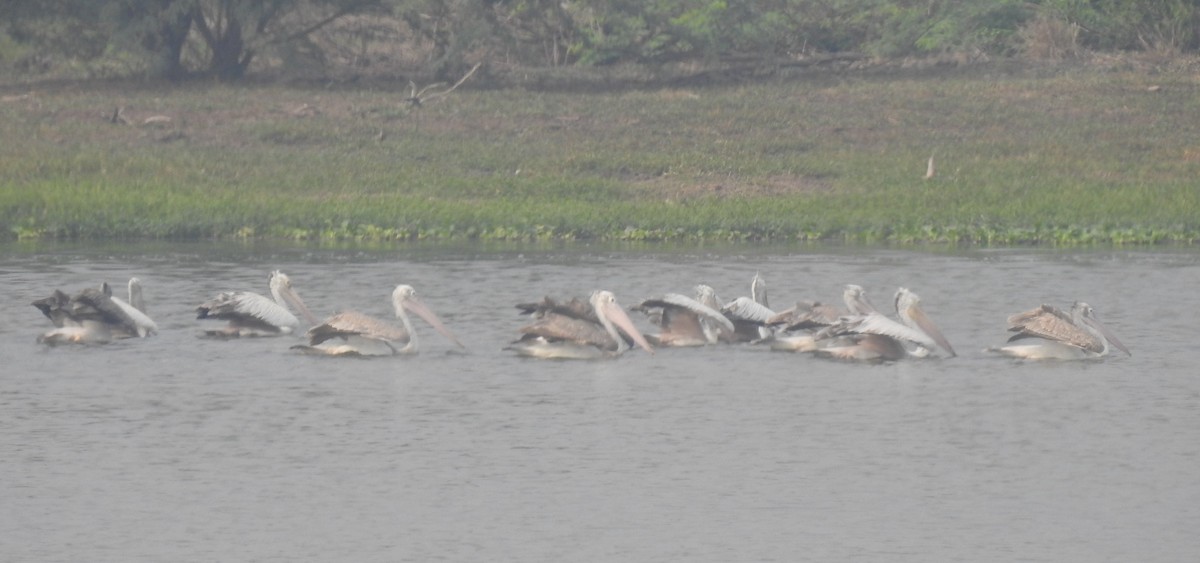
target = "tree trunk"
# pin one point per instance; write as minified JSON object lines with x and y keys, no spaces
{"x":166,"y":44}
{"x":229,"y":55}
{"x":228,"y":58}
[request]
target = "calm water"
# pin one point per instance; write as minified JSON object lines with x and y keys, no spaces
{"x":177,"y":448}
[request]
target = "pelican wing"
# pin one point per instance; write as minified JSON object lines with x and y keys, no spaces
{"x":807,"y":315}
{"x":94,"y":304}
{"x":575,"y":308}
{"x":554,"y":326}
{"x":143,"y":324}
{"x":247,"y":308}
{"x":747,"y":309}
{"x":352,"y":323}
{"x":876,"y":323}
{"x":679,"y":306}
{"x":1050,"y":323}
{"x":682,"y":318}
{"x":56,"y":308}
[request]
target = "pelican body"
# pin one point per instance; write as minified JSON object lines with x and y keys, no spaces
{"x":1048,"y":333}
{"x":796,"y":327}
{"x":135,"y":308}
{"x":873,"y":337}
{"x":251,"y":314}
{"x":577,"y":329}
{"x":748,"y":315}
{"x":683,"y":321}
{"x":807,"y":325}
{"x":351,"y":333}
{"x":94,"y":316}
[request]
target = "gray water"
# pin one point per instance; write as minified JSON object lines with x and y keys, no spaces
{"x":177,"y":448}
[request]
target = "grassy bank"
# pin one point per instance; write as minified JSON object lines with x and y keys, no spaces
{"x":1054,"y":157}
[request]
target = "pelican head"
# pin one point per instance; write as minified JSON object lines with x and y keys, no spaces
{"x":908,"y":307}
{"x":856,"y":300}
{"x":135,"y":294}
{"x":1085,"y":317}
{"x":404,"y":298}
{"x":612,"y":316}
{"x":758,"y":290}
{"x":282,"y":291}
{"x":708,"y":296}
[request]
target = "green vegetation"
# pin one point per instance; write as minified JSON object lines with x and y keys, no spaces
{"x":1037,"y":155}
{"x":228,"y":39}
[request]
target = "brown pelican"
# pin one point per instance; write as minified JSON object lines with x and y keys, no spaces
{"x":1048,"y":333}
{"x":683,"y":321}
{"x":875,"y":337}
{"x":577,"y":329}
{"x":93,"y":316}
{"x":251,"y":314}
{"x":353,"y":333}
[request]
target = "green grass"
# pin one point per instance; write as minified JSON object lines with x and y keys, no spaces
{"x":1075,"y":156}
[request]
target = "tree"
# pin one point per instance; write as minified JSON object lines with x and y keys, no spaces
{"x":229,"y":33}
{"x":234,"y":31}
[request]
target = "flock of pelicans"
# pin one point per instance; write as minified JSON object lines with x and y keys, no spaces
{"x":598,"y":327}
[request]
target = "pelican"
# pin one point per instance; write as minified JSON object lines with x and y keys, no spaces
{"x":796,"y":326}
{"x":814,"y":318}
{"x":135,"y":308}
{"x":758,"y":290}
{"x":577,"y":329}
{"x":1048,"y":333}
{"x":356,"y":334}
{"x":750,"y":314}
{"x":875,"y":337}
{"x":747,"y":314}
{"x":706,"y":295}
{"x":92,"y":316}
{"x":683,"y":321}
{"x":70,"y":327}
{"x":251,"y":314}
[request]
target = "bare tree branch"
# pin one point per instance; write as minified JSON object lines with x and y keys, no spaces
{"x":418,"y":97}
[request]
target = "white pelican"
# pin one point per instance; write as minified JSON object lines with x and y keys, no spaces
{"x":251,"y":314}
{"x":683,"y":321}
{"x":804,"y":323}
{"x":577,"y":329}
{"x":758,"y":290}
{"x":748,"y":314}
{"x":1047,"y":333}
{"x":749,"y":319}
{"x":353,"y":333}
{"x":797,"y":325}
{"x":706,"y":295}
{"x":875,"y":337}
{"x":135,"y":308}
{"x":92,"y":316}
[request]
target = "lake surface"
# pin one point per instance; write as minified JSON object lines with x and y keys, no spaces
{"x":177,"y":448}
